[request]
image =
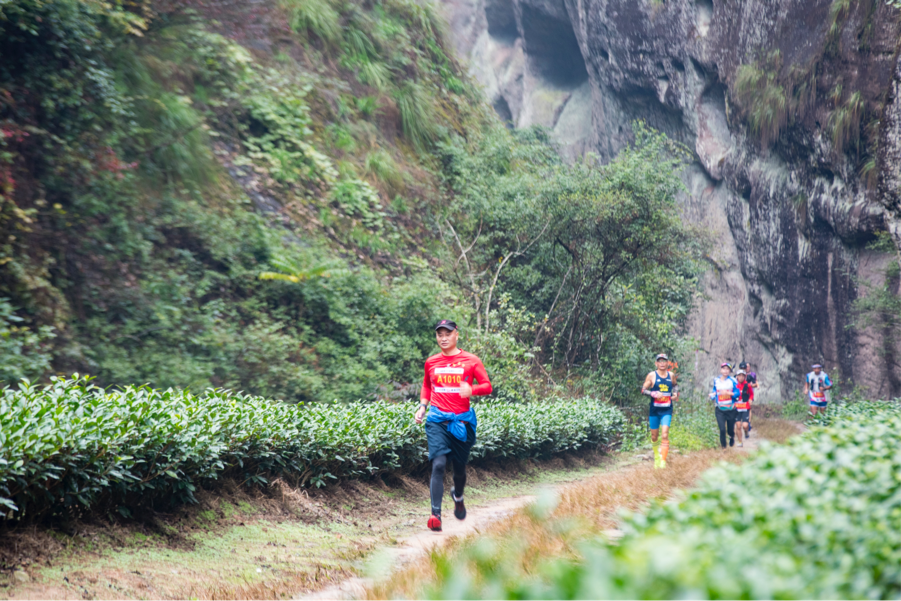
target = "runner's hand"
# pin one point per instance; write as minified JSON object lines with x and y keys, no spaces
{"x":655,"y":394}
{"x":420,"y":414}
{"x":465,"y":390}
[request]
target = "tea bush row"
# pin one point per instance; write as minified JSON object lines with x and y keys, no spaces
{"x":816,"y":518}
{"x":70,"y":447}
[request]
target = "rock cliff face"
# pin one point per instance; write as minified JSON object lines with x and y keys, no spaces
{"x":792,"y":109}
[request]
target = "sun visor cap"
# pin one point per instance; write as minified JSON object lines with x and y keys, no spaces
{"x":447,"y":324}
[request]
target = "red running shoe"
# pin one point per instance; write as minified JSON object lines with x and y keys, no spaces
{"x":435,"y":523}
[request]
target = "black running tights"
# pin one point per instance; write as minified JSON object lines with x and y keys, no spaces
{"x":726,"y":420}
{"x":436,"y":487}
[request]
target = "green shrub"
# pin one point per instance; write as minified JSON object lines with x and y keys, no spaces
{"x":23,"y":352}
{"x":842,"y":411}
{"x":71,"y":447}
{"x":816,"y":518}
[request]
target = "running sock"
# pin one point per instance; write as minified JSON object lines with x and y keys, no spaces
{"x":664,"y":448}
{"x":436,"y":485}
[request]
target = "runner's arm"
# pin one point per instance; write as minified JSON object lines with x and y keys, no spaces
{"x":425,"y":395}
{"x":648,"y":382}
{"x":484,"y":386}
{"x":828,"y":383}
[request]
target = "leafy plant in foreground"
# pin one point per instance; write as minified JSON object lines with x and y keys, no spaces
{"x":815,"y":518}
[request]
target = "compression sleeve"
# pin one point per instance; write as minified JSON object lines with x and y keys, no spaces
{"x":484,"y":386}
{"x":736,"y":391}
{"x":426,"y":392}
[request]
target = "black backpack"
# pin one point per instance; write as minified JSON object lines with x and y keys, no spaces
{"x":746,"y":393}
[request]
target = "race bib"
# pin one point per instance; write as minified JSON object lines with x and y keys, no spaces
{"x":663,"y":401}
{"x":724,"y":399}
{"x":743,"y":406}
{"x":819,"y":395}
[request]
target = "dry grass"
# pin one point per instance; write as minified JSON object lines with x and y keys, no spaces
{"x":774,"y":429}
{"x":286,"y":586}
{"x":593,"y":504}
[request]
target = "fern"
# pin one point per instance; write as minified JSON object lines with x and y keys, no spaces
{"x":316,"y":16}
{"x":417,"y":114}
{"x":296,"y":270}
{"x":845,"y":122}
{"x":375,"y":74}
{"x":766,"y":105}
{"x":381,"y":165}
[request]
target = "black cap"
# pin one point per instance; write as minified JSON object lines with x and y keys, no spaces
{"x":661,"y":356}
{"x":743,"y":365}
{"x":446,"y":324}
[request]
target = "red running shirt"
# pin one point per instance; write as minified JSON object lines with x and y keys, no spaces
{"x":443,"y":375}
{"x":744,"y":406}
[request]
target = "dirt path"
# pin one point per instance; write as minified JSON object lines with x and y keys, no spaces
{"x":483,"y":516}
{"x":418,"y":545}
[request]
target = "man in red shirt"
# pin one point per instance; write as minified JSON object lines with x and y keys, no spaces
{"x":449,"y":383}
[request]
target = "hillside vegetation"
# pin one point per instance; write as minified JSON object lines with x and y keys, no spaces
{"x":281,"y":198}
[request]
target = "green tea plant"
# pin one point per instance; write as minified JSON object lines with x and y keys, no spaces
{"x":72,"y":447}
{"x":815,"y":518}
{"x":850,"y":410}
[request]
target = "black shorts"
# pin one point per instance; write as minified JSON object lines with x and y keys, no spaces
{"x":743,"y":416}
{"x":442,"y":442}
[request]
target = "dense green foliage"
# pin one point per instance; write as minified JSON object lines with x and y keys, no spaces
{"x":816,"y":518}
{"x":70,"y":446}
{"x":694,"y":424}
{"x":182,"y":210}
{"x":123,"y":232}
{"x":598,"y":253}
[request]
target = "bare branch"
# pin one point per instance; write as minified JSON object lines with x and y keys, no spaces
{"x":519,"y":252}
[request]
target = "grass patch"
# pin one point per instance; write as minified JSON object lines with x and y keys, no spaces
{"x":532,"y":536}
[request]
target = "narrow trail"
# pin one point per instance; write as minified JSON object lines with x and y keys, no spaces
{"x":418,"y":545}
{"x":480,"y":517}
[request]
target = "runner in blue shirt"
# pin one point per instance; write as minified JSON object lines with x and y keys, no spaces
{"x":660,"y":385}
